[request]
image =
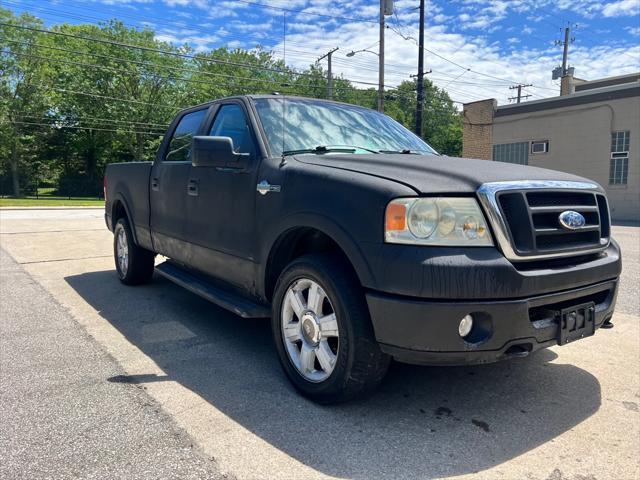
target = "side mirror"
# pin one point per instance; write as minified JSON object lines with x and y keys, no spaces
{"x":216,"y":152}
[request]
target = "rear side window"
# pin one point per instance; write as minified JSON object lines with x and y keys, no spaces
{"x":180,"y":146}
{"x":232,"y":122}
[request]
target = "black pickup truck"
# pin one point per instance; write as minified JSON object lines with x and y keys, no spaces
{"x":361,"y":242}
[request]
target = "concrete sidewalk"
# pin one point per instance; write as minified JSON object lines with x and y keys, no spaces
{"x":64,"y":412}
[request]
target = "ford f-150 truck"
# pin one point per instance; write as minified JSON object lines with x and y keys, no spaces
{"x":361,"y":242}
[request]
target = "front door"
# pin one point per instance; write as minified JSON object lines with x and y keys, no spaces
{"x":222,"y":211}
{"x":169,"y":187}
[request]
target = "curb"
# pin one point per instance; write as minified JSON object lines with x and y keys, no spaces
{"x":61,"y":207}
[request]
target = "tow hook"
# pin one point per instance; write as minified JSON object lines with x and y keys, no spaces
{"x":607,"y":324}
{"x":520,"y":350}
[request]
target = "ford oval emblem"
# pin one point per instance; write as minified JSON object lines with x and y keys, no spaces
{"x":571,"y":220}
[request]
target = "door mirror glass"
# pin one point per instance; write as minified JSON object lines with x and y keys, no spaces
{"x":209,"y":151}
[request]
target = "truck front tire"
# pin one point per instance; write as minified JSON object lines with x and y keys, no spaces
{"x":134,"y":264}
{"x":322,"y":330}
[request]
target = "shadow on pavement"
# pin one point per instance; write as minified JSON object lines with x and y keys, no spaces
{"x":436,"y":421}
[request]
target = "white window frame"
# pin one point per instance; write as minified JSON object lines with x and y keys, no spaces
{"x":545,"y":143}
{"x":619,"y":168}
{"x":619,"y":159}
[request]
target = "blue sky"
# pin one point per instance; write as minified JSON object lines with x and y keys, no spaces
{"x":477,"y":48}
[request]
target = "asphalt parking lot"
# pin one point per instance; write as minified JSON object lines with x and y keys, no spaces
{"x":183,"y":389}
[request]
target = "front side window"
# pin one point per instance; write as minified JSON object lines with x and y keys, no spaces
{"x":619,"y":161}
{"x":512,"y":153}
{"x":231,"y":122}
{"x":180,"y":146}
{"x":311,"y":123}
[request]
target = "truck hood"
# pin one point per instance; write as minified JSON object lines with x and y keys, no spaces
{"x":435,"y":174}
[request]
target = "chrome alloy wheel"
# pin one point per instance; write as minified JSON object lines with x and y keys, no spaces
{"x":310,"y":330}
{"x":122,"y":251}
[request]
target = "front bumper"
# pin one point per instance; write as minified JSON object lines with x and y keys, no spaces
{"x":420,"y":331}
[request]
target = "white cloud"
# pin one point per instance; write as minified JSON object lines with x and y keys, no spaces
{"x":451,"y":33}
{"x":498,"y":67}
{"x":622,"y":7}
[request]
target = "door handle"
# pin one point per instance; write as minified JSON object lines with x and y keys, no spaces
{"x":192,"y":188}
{"x":155,"y":184}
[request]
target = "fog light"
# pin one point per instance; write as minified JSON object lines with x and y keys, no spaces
{"x":466,"y":324}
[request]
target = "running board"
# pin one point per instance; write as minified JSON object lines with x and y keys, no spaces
{"x":228,"y":300}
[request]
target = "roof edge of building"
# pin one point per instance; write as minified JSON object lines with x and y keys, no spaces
{"x":578,"y":98}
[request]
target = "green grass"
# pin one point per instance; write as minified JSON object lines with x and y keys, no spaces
{"x":50,"y":202}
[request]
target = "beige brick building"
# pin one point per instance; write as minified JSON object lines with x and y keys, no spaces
{"x":592,"y":131}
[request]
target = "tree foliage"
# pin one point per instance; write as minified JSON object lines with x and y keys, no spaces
{"x":74,"y":98}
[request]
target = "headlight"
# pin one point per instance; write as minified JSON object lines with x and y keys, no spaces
{"x":436,"y":221}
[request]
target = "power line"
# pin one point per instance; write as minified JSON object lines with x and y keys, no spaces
{"x":64,"y":14}
{"x":104,"y":97}
{"x":304,"y":12}
{"x":519,"y":95}
{"x":285,"y":88}
{"x":140,"y":47}
{"x":87,"y":128}
{"x":198,"y":58}
{"x":166,"y":77}
{"x":72,"y":118}
{"x":234,"y":86}
{"x":111,"y":57}
{"x":409,"y":38}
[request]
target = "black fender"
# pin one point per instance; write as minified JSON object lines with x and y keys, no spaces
{"x":120,"y":198}
{"x":328,"y":227}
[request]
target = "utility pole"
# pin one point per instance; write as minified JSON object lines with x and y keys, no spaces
{"x":381,"y":61}
{"x":386,"y":8}
{"x":420,"y":84}
{"x":329,"y":75}
{"x":564,"y":70}
{"x":519,"y":87}
{"x":565,"y":50}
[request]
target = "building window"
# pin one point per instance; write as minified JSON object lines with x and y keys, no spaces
{"x":512,"y":153}
{"x":620,"y":141}
{"x":619,"y":161}
{"x":541,"y":146}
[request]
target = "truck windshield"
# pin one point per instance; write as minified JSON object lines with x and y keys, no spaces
{"x":315,"y":127}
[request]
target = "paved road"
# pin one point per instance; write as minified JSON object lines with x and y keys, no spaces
{"x":567,"y":413}
{"x":65,"y":413}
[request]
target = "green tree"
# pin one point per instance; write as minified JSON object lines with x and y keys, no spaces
{"x":441,"y":121}
{"x":20,"y":101}
{"x":74,"y":98}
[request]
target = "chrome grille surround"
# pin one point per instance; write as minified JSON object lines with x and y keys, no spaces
{"x":488,"y":195}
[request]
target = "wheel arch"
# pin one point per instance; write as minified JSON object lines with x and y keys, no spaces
{"x":311,"y":237}
{"x":120,"y":209}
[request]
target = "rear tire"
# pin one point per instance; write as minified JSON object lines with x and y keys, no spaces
{"x":322,"y":331}
{"x":134,"y":264}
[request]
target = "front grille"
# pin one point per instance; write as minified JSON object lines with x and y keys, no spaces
{"x":533,"y":223}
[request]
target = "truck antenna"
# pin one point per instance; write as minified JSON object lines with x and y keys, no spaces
{"x":284,"y":60}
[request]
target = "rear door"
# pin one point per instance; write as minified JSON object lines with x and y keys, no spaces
{"x":222,"y":212}
{"x":168,"y":190}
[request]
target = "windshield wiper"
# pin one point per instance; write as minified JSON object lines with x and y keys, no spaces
{"x":405,"y":151}
{"x":328,"y":149}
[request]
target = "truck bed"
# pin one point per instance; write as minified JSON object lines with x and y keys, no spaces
{"x":131,"y":181}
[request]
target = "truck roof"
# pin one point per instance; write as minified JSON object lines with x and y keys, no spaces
{"x":273,"y":95}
